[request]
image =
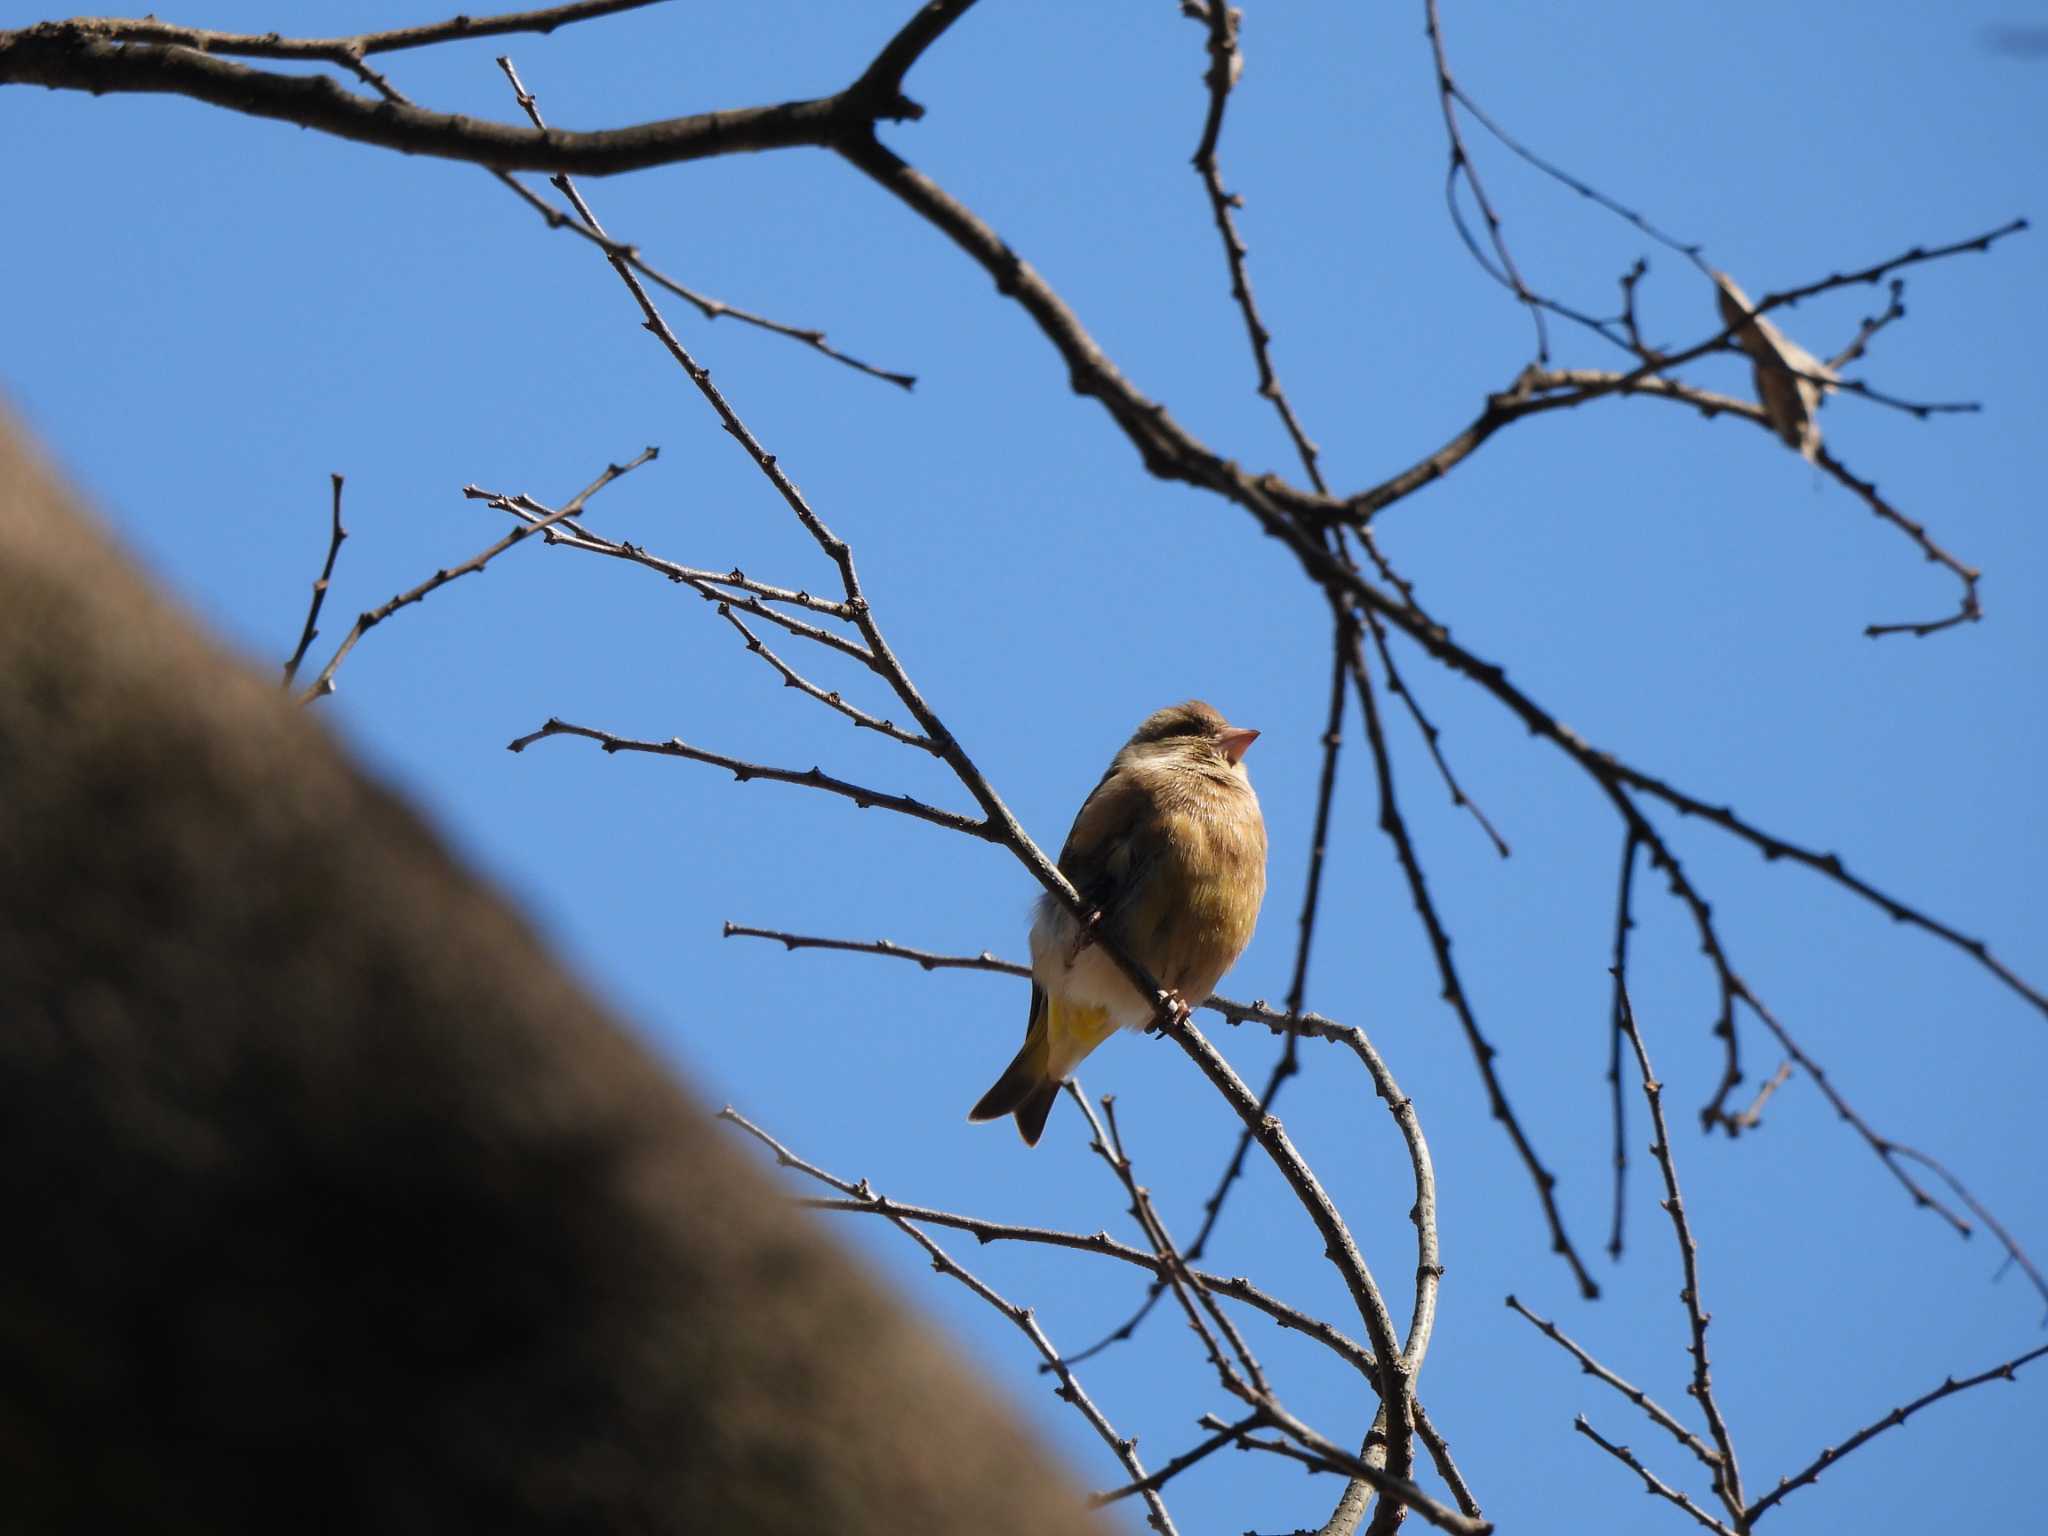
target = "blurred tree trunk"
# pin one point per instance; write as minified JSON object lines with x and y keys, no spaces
{"x":331,"y":1203}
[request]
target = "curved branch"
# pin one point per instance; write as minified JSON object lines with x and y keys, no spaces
{"x":68,"y":56}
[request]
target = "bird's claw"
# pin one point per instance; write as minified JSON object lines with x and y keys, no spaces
{"x":1177,"y":1009}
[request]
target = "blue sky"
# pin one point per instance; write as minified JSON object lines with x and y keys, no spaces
{"x":213,"y":313}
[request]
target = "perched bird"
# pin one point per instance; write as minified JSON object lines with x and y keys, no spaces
{"x":1170,"y":851}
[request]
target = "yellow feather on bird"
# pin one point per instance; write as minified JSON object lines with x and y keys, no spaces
{"x":1170,"y":850}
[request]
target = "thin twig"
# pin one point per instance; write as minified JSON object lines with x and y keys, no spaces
{"x":1398,"y":687}
{"x":925,"y":958}
{"x":343,"y":50}
{"x":1593,"y":194}
{"x":707,"y":306}
{"x":1339,"y":1247}
{"x":831,"y":698}
{"x":1311,"y":1445}
{"x":1651,"y":1409}
{"x":324,"y":684}
{"x":336,"y":534}
{"x":1834,"y":1453}
{"x":1200,"y":1308}
{"x":1228,"y":1434}
{"x":1221,"y":21}
{"x":1624,"y":923}
{"x":1102,"y":1245}
{"x":1247,"y":1441}
{"x":1651,"y":1482}
{"x":1440,"y":1455}
{"x":2014,"y":1253}
{"x":1872,"y":324}
{"x":809,"y":778}
{"x":1507,"y":275}
{"x":734,"y":587}
{"x":1483,"y":1052}
{"x":1727,"y":1474}
{"x":1319,"y":838}
{"x":1070,"y":1389}
{"x":1887,"y":1150}
{"x":1968,"y":609}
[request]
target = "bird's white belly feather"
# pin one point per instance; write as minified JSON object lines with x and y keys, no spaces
{"x":1090,"y":979}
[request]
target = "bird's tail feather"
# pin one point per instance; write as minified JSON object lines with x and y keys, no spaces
{"x":1032,"y":1112}
{"x":1024,"y":1076}
{"x":1059,"y":1036}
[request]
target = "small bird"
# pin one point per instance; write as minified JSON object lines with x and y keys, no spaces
{"x":1169,"y":851}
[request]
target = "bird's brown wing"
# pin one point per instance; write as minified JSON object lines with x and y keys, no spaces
{"x":1117,"y":845}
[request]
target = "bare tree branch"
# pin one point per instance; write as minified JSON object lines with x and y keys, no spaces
{"x":1727,"y":1475}
{"x":859,"y":1197}
{"x":1071,"y":1391}
{"x":1483,"y":1051}
{"x":809,"y":778}
{"x":1651,"y":1482}
{"x":1709,"y":1457}
{"x":344,"y":50}
{"x":61,"y":56}
{"x":1225,"y":63}
{"x":324,"y":684}
{"x":1196,"y":1303}
{"x":1462,"y":168}
{"x":1228,"y":1435}
{"x":311,"y":632}
{"x":1624,"y":923}
{"x":2005,"y":1371}
{"x":831,"y":699}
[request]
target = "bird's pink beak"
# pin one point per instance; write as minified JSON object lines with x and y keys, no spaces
{"x":1236,"y":741}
